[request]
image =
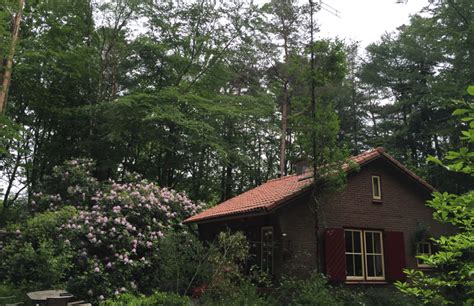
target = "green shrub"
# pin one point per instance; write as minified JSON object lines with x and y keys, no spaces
{"x":387,"y":296}
{"x":183,"y":266}
{"x":14,"y":213}
{"x":16,"y":294}
{"x":245,"y":294}
{"x":157,"y":298}
{"x":372,"y":296}
{"x":312,"y":291}
{"x":33,"y":257}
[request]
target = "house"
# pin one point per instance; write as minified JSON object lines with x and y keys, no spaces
{"x":366,"y":233}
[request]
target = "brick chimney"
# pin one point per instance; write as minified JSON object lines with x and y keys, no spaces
{"x":301,"y":166}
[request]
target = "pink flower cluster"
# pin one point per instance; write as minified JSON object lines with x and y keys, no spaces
{"x":122,"y":229}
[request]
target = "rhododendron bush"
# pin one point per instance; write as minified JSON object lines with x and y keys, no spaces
{"x":117,"y":229}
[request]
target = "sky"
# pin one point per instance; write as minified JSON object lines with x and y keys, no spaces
{"x":365,"y":20}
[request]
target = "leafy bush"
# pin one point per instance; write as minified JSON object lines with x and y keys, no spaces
{"x":183,"y":265}
{"x":376,"y":296}
{"x":371,"y":296}
{"x":33,"y":258}
{"x":15,"y":213}
{"x":245,"y":294}
{"x":312,"y":291}
{"x":16,"y":294}
{"x":158,"y":298}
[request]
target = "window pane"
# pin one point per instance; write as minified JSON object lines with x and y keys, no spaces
{"x":369,"y":242}
{"x":377,"y":244}
{"x":350,"y":265}
{"x":357,"y":247}
{"x":375,"y":186}
{"x":370,"y":265}
{"x":358,"y":265}
{"x":378,"y":265}
{"x":348,"y":235}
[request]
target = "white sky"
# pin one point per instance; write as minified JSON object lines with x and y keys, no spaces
{"x":365,"y":20}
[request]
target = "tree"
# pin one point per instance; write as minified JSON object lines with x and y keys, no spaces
{"x":413,"y":73}
{"x":454,"y":282}
{"x":285,"y":18}
{"x":6,"y":77}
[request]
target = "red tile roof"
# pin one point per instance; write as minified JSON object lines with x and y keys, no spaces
{"x":269,"y":195}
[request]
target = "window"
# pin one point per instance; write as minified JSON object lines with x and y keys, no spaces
{"x":364,"y":255}
{"x":376,"y":191}
{"x":354,"y":255}
{"x":267,"y":250}
{"x":423,"y":248}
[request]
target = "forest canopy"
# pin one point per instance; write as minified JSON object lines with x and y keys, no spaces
{"x":215,"y":98}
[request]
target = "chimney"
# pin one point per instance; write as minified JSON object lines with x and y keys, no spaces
{"x":301,"y":166}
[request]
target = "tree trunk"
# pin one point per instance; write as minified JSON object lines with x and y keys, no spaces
{"x":284,"y":115}
{"x":284,"y":128}
{"x":8,"y":68}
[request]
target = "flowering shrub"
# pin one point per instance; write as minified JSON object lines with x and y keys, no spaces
{"x":70,"y":184}
{"x":116,"y":232}
{"x":123,"y":230}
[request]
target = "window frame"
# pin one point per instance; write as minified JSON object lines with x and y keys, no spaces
{"x":268,"y":270}
{"x":381,"y":254}
{"x":430,"y":250}
{"x":379,"y":188}
{"x":356,"y":278}
{"x":364,"y":254}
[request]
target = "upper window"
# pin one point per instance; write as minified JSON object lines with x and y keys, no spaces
{"x":376,"y":190}
{"x":364,"y":255}
{"x":423,"y":248}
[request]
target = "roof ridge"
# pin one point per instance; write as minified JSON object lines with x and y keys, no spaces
{"x":279,"y":178}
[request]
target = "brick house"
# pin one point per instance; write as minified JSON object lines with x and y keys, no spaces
{"x":366,"y":233}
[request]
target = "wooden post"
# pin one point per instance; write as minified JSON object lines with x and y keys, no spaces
{"x":8,"y":68}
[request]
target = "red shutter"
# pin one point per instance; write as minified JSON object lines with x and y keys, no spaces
{"x":394,"y":252}
{"x":335,"y":251}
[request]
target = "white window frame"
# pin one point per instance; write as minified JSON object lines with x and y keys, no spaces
{"x":364,"y":254}
{"x":262,"y":230}
{"x":381,"y":254}
{"x":418,"y":264}
{"x":354,"y":253}
{"x":379,"y":188}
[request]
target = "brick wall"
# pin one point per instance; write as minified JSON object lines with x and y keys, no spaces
{"x":296,"y":230}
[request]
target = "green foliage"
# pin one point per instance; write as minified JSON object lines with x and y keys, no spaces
{"x":227,"y":258}
{"x":422,"y":68}
{"x":453,"y":282}
{"x":157,"y":298}
{"x":245,"y":294}
{"x":183,"y":265}
{"x":33,"y":258}
{"x":8,"y":131}
{"x":15,"y":294}
{"x":16,"y":213}
{"x":312,"y":291}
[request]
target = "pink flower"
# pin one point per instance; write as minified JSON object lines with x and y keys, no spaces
{"x":96,"y":270}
